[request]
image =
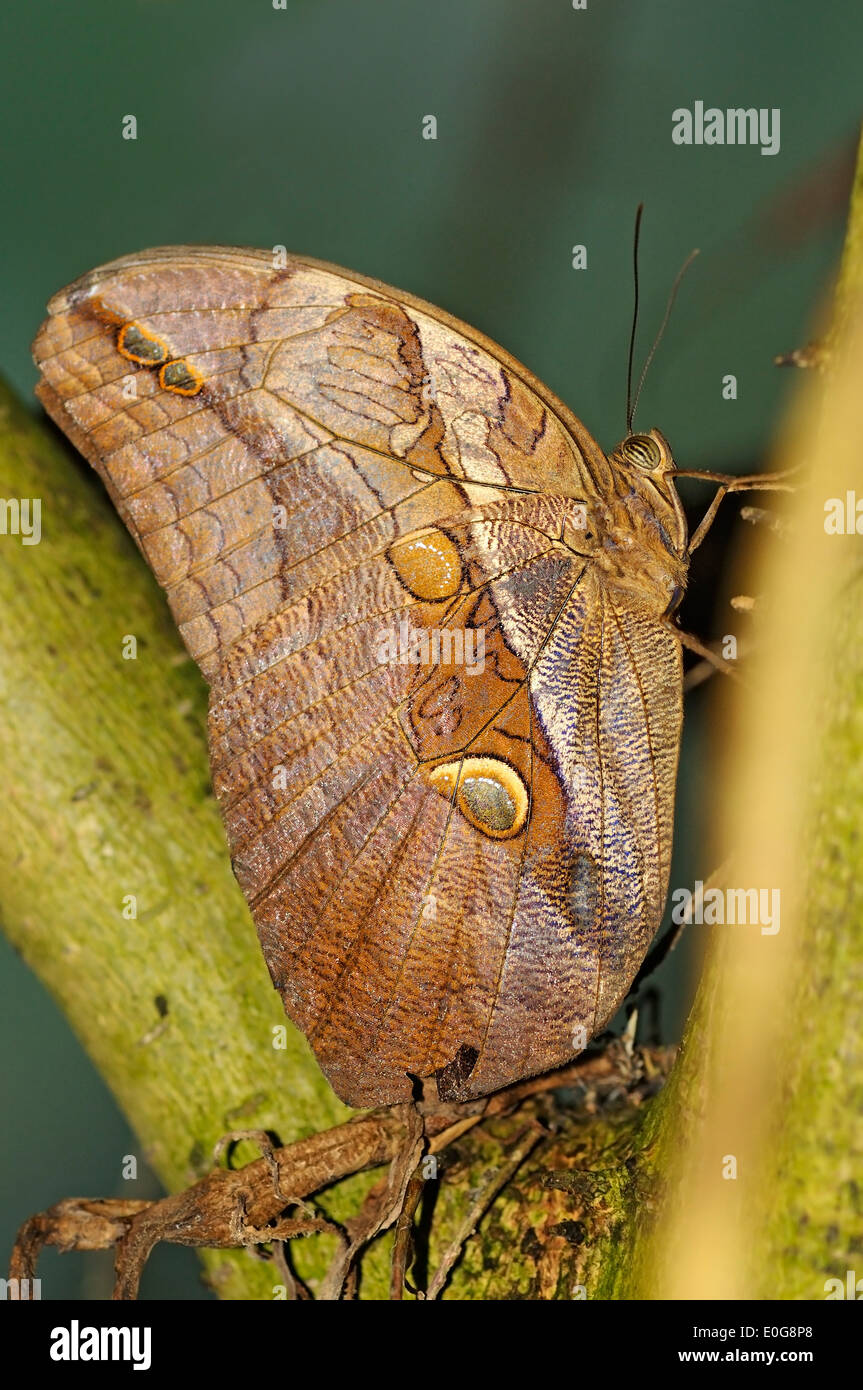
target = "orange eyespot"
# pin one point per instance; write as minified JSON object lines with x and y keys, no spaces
{"x":180,"y":377}
{"x":139,"y":345}
{"x":488,"y":792}
{"x":428,"y":565}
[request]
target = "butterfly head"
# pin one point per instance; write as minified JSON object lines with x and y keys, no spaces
{"x":644,"y":483}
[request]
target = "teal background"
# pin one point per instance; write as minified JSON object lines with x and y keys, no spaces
{"x":303,"y":127}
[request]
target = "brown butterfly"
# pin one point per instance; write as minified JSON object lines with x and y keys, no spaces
{"x":435,"y":618}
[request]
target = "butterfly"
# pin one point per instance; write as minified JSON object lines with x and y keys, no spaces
{"x":436,"y":622}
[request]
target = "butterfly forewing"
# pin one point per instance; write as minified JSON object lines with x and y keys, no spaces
{"x":443,"y":725}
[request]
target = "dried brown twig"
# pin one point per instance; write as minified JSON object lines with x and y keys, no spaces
{"x":265,"y":1202}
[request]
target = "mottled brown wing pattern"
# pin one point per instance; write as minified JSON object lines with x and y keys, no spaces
{"x":453,"y":864}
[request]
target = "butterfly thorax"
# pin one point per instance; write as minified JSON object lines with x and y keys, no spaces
{"x":636,"y":551}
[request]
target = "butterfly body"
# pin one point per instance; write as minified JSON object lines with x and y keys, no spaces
{"x":445,"y":697}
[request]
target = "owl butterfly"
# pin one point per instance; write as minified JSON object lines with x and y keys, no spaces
{"x":445,"y":689}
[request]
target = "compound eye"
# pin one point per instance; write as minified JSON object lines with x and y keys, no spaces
{"x":642,"y":450}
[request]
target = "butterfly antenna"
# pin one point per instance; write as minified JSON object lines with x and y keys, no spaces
{"x":630,"y":409}
{"x":662,"y":327}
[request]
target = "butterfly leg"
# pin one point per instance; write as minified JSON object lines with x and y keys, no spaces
{"x":663,"y":948}
{"x":767,"y":482}
{"x":692,"y":644}
{"x":754,"y":482}
{"x":658,"y":954}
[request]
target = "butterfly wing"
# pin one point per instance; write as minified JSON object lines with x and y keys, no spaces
{"x":454,"y":861}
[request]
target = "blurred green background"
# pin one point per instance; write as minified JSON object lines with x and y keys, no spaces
{"x":302,"y":126}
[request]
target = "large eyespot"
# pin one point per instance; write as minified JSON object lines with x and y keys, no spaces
{"x":488,"y":792}
{"x":640,"y":449}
